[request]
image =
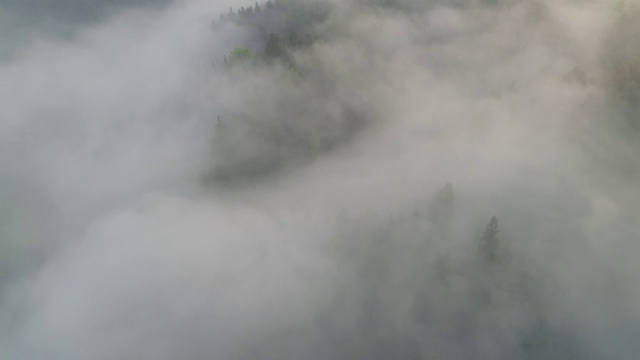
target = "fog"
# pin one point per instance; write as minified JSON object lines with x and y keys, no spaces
{"x":164,"y":196}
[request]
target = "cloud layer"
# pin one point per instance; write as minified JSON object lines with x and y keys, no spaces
{"x":330,"y":233}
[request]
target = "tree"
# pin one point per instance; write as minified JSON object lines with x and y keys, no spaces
{"x":441,"y":208}
{"x":294,"y":40}
{"x":488,"y":246}
{"x":274,"y":48}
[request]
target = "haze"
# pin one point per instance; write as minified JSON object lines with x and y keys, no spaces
{"x":362,"y":179}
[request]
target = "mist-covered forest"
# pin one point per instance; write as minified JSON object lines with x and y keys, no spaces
{"x":320,"y":179}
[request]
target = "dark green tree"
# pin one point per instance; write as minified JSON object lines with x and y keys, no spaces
{"x":274,"y":48}
{"x":441,"y":208}
{"x":488,"y":246}
{"x":294,"y":39}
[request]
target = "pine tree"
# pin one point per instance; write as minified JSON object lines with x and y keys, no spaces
{"x":488,"y":246}
{"x":441,"y":208}
{"x":293,"y":39}
{"x":274,"y":46}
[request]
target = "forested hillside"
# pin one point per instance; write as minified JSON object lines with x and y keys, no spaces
{"x":320,"y":179}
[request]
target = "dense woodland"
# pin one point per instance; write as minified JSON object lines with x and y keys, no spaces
{"x":282,"y":33}
{"x":282,"y":26}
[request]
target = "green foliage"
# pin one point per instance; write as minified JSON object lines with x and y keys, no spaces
{"x":241,"y":53}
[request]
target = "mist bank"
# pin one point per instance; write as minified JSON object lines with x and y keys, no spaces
{"x":385,"y":179}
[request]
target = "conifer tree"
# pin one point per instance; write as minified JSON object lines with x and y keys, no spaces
{"x":488,"y":246}
{"x":442,"y":206}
